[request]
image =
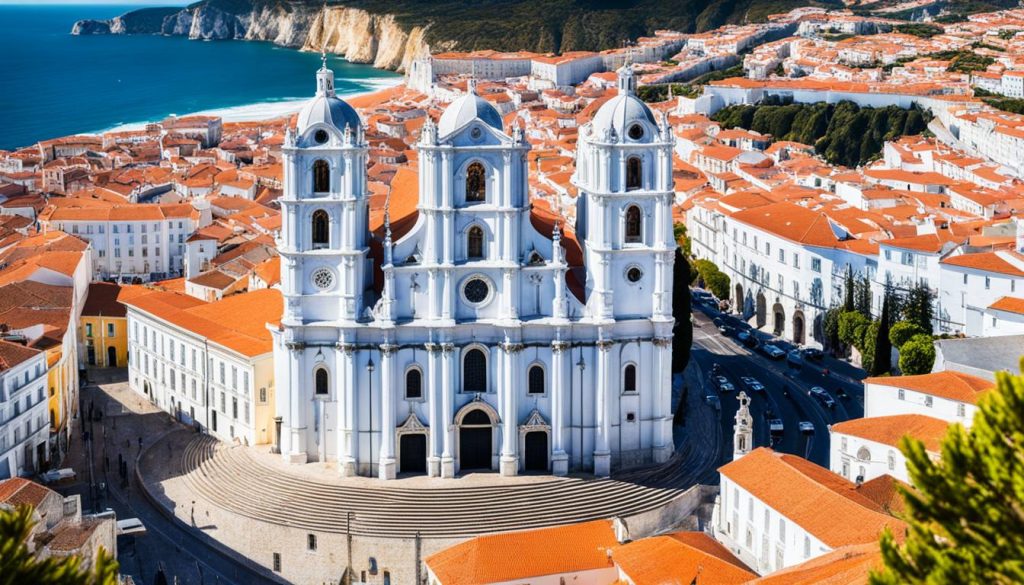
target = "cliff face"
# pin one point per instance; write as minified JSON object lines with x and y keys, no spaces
{"x":366,"y":38}
{"x":358,"y":35}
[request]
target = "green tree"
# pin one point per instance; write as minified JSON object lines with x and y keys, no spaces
{"x":862,"y":301}
{"x":882,"y":347}
{"x":848,"y":291}
{"x":830,"y":325}
{"x":917,"y":356}
{"x":682,"y":331}
{"x":919,"y":307}
{"x":851,"y":328}
{"x":18,"y":565}
{"x":868,"y":348}
{"x":964,"y":514}
{"x":901,"y":333}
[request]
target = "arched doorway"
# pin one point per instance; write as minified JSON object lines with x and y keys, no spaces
{"x":536,"y":451}
{"x":739,"y":300}
{"x":798,"y":328}
{"x":778,"y":319}
{"x":476,"y":436}
{"x":762,"y":310}
{"x":412,"y":445}
{"x":111,"y":357}
{"x":535,"y":442}
{"x":412,"y":449}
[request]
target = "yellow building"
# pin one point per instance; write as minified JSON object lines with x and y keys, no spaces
{"x":103,"y":328}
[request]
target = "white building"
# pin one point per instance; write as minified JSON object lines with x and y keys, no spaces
{"x":129,"y":241}
{"x":208,"y":364}
{"x":464,"y":339}
{"x":862,"y":449}
{"x":24,"y":423}
{"x":786,"y":263}
{"x":776,"y":510}
{"x":567,"y":69}
{"x":970,"y":284}
{"x":948,"y":395}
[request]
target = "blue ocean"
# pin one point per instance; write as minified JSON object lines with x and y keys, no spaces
{"x":55,"y":84}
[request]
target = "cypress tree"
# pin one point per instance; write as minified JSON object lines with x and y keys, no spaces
{"x":883,"y":348}
{"x":682,"y":332}
{"x":848,"y":301}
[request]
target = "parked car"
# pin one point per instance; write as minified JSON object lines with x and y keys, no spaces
{"x":813,"y":354}
{"x":56,"y":475}
{"x":773,"y":351}
{"x":806,"y":427}
{"x":747,"y":338}
{"x":775,"y":426}
{"x":793,"y":358}
{"x":752,"y":384}
{"x":723,"y":383}
{"x":724,"y":329}
{"x":822,"y":396}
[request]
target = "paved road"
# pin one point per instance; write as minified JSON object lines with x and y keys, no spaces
{"x":179,"y":550}
{"x":786,"y":394}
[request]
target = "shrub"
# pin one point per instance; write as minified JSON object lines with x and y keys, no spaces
{"x":917,"y":355}
{"x":901,"y":333}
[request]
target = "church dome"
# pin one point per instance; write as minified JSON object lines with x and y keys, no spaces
{"x":327,"y":108}
{"x":466,"y":109}
{"x":623,"y":111}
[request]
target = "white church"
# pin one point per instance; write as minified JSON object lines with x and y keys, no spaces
{"x":466,"y":340}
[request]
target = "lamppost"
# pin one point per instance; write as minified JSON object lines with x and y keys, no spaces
{"x":369,"y":370}
{"x":582,"y":365}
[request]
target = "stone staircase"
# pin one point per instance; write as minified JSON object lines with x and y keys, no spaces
{"x":232,"y":478}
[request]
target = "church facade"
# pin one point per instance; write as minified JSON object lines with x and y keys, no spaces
{"x":475,"y":332}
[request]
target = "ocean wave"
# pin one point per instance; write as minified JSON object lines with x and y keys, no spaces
{"x":265,"y":110}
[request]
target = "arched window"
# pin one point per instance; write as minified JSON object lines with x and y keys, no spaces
{"x":321,"y":229}
{"x":629,"y":378}
{"x":536,"y":380}
{"x":634,"y":225}
{"x":413,"y":384}
{"x":474,"y":371}
{"x":321,"y":382}
{"x":476,"y":182}
{"x":634,"y":173}
{"x":475,"y":243}
{"x":321,"y":177}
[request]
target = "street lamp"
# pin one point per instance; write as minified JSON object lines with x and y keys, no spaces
{"x":582,"y":365}
{"x":369,"y":370}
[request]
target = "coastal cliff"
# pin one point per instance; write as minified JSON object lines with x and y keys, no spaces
{"x":361,"y":37}
{"x":391,"y":34}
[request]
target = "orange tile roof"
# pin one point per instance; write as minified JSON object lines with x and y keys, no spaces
{"x":515,"y":556}
{"x":1009,"y":304}
{"x":946,"y":384}
{"x":847,"y":565}
{"x":236,"y":322}
{"x":986,"y":261}
{"x":888,"y":430}
{"x":679,"y":558}
{"x":811,"y":496}
{"x":19,"y":491}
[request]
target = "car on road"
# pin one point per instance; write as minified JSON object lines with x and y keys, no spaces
{"x":822,"y":396}
{"x":716,"y":369}
{"x":724,"y":329}
{"x":714,"y":402}
{"x":747,"y":338}
{"x":773,"y":351}
{"x":775,"y":426}
{"x":724,"y":385}
{"x":752,"y":384}
{"x":794,"y":359}
{"x":806,"y":427}
{"x":813,"y":354}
